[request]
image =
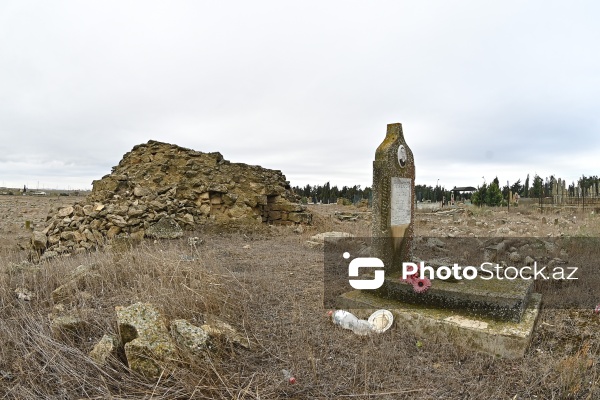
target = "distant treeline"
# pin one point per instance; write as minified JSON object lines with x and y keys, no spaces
{"x":331,"y":194}
{"x":492,"y":194}
{"x":543,"y":187}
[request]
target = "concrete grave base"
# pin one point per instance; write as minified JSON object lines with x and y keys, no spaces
{"x":504,"y":299}
{"x":500,"y":338}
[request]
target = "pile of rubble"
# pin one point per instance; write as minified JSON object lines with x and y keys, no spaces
{"x":159,"y":189}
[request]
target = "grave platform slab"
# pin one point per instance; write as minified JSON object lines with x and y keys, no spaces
{"x":505,"y":339}
{"x":504,"y":300}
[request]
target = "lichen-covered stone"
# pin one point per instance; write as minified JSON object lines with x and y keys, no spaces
{"x":106,"y":347}
{"x":217,"y":328}
{"x":69,"y":325}
{"x":39,"y":240}
{"x":148,"y":358}
{"x":318,"y":240}
{"x":189,"y":337}
{"x":148,"y":346}
{"x":165,"y":228}
{"x":65,"y":212}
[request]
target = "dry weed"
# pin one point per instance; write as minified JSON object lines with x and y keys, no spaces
{"x":270,"y":287}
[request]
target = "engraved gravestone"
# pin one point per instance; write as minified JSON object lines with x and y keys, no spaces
{"x":393,"y":199}
{"x":505,"y":311}
{"x":392,"y":242}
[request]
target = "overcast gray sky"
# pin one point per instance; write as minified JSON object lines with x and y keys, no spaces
{"x":482,"y":88}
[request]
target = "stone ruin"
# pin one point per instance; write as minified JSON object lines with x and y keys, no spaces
{"x":159,"y":189}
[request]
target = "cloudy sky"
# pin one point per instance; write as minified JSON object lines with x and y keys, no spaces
{"x":482,"y":89}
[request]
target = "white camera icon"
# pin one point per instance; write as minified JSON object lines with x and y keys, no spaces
{"x":366,"y":262}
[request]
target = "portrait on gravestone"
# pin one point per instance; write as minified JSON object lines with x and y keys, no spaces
{"x":402,"y":156}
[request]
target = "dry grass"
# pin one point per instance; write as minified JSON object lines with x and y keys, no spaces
{"x":42,"y":365}
{"x":272,"y":291}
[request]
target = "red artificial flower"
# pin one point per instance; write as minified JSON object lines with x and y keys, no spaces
{"x":421,"y":285}
{"x":412,"y":278}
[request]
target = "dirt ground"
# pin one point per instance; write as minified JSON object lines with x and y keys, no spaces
{"x":270,"y":287}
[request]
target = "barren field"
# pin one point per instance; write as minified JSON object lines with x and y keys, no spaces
{"x":269,"y":286}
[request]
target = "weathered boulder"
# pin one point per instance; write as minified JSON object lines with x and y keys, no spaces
{"x":140,"y":191}
{"x":514,"y":257}
{"x":319,"y":239}
{"x":148,"y":346}
{"x":190,"y":338}
{"x":106,"y":347}
{"x":39,"y":240}
{"x":65,"y":212}
{"x":68,"y":325}
{"x":165,"y":228}
{"x":217,"y":328}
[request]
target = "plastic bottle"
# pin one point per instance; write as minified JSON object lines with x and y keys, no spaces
{"x":348,"y":320}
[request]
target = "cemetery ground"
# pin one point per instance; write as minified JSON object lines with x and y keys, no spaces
{"x":268,"y":284}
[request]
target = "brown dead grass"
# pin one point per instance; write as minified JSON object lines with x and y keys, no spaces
{"x":272,"y":292}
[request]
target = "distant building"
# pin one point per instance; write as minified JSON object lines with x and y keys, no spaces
{"x":459,"y":192}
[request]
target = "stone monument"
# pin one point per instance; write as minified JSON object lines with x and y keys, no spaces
{"x":393,"y":199}
{"x":491,"y":316}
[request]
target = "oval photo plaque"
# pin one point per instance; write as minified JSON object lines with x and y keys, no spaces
{"x":402,"y":156}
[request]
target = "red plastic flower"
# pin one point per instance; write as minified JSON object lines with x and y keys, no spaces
{"x":421,"y":285}
{"x":412,"y":278}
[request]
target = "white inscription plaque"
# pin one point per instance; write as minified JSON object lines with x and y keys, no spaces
{"x":400,"y":201}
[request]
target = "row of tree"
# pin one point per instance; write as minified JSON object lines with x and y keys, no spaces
{"x":330,"y":194}
{"x":492,"y":194}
